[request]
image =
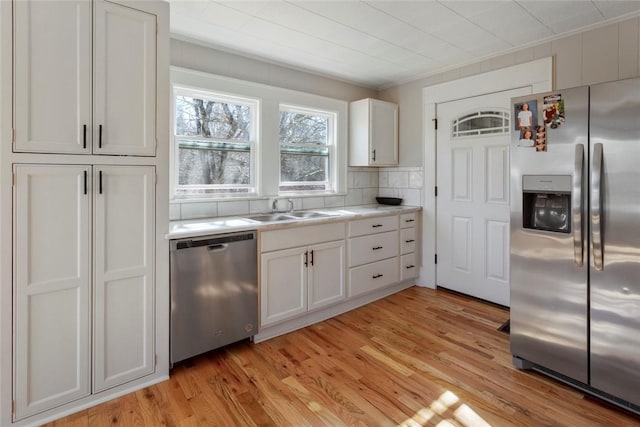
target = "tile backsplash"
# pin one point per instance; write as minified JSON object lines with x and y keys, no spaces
{"x":363,"y":185}
{"x":402,"y":182}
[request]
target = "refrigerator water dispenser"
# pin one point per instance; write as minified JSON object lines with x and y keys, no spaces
{"x":547,"y":202}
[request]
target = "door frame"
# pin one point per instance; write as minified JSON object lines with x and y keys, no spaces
{"x":537,"y":74}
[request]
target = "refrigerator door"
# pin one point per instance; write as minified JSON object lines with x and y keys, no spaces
{"x":548,"y":251}
{"x":615,"y":228}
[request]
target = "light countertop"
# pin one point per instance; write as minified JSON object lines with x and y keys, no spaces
{"x":205,"y":226}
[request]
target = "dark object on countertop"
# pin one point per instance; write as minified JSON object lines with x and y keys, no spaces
{"x":389,"y":200}
{"x":505,"y":327}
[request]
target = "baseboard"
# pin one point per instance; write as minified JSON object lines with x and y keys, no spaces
{"x":88,"y":402}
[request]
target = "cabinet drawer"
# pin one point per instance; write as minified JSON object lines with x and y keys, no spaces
{"x":378,"y":224}
{"x":301,"y":236}
{"x":408,"y":267}
{"x":407,"y":240}
{"x":365,"y":249}
{"x":408,"y":220}
{"x":373,"y":276}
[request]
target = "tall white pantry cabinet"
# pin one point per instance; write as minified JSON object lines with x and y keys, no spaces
{"x":84,"y":121}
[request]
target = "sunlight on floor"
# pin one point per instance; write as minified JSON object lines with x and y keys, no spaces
{"x":461,"y":415}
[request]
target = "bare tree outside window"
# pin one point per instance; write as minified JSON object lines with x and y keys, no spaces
{"x":214,"y":143}
{"x":304,"y":151}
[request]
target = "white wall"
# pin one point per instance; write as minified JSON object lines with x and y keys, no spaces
{"x":210,"y":60}
{"x":599,"y":55}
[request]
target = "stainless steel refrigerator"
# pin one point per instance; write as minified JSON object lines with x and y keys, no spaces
{"x":575,"y":237}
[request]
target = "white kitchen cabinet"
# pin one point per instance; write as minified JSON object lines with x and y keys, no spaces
{"x":52,"y":76}
{"x":326,"y":274}
{"x":376,"y":275}
{"x":371,"y":248}
{"x":55,"y":109}
{"x":124,"y":274}
{"x":283,"y":285}
{"x":296,"y":280}
{"x":373,"y":256}
{"x":53,"y":284}
{"x":124,"y":82}
{"x":408,"y":267}
{"x":408,"y":233}
{"x":373,"y":133}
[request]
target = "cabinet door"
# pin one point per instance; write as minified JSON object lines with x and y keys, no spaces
{"x":384,"y":133}
{"x":408,"y":267}
{"x":326,"y":274}
{"x":124,"y":80}
{"x":124,"y":274}
{"x":407,"y":240}
{"x":283,"y":287}
{"x":51,"y":286}
{"x":52,"y":76}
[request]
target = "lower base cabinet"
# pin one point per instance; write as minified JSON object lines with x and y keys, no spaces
{"x":310,"y":267}
{"x":301,"y":269}
{"x":65,"y":341}
{"x":294,"y":281}
{"x":408,"y":267}
{"x":370,"y":277}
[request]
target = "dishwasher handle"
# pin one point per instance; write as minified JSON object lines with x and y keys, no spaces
{"x":214,"y":242}
{"x":218,"y":247}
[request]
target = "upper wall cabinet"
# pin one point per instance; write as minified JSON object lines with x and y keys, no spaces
{"x":67,"y":103}
{"x":373,"y":133}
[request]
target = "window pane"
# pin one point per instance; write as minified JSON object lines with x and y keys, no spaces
{"x":213,"y":167}
{"x":481,"y":123}
{"x":303,"y":168}
{"x":299,"y":128}
{"x":304,"y":151}
{"x":212,"y":119}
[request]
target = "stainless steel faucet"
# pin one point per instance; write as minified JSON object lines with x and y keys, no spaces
{"x":274,"y":206}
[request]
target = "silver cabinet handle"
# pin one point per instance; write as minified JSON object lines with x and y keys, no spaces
{"x":576,"y":206}
{"x":596,"y":207}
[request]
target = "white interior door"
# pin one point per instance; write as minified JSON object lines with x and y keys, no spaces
{"x":473,"y":195}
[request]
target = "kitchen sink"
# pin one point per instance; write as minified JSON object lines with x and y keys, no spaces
{"x":288,"y":216}
{"x":308,"y":214}
{"x":272,"y":217}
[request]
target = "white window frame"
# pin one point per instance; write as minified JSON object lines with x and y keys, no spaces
{"x":212,"y":95}
{"x":267,"y":153}
{"x":330,"y":183}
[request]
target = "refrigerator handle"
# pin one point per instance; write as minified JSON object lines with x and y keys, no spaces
{"x":596,"y":207}
{"x":576,"y":206}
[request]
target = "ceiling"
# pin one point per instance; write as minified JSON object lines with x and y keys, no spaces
{"x":379,"y":43}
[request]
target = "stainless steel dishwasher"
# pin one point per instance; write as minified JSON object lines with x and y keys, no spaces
{"x":214,"y":292}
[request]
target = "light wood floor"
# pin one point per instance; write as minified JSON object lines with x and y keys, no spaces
{"x":420,"y":357}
